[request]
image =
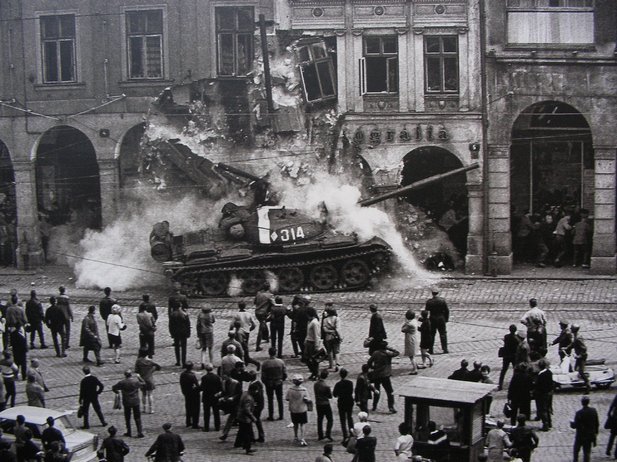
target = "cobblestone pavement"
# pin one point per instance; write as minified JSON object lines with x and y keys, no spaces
{"x":481,"y":312}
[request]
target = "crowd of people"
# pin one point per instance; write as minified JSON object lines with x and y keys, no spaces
{"x":235,"y":387}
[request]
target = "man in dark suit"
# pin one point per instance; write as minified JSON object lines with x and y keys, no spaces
{"x":190,"y":389}
{"x":523,"y":438}
{"x":89,"y":390}
{"x":168,"y":446}
{"x":376,"y":330}
{"x":543,"y":393}
{"x":439,"y":314}
{"x":211,"y":387}
{"x":587,"y":425}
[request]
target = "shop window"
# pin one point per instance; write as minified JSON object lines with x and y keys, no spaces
{"x":379,"y":66}
{"x":58,"y":48}
{"x":441,"y":63}
{"x":235,"y":28}
{"x":550,"y":21}
{"x":317,"y":72}
{"x":145,"y":44}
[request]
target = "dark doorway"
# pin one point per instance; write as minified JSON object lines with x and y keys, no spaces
{"x":131,"y":157}
{"x":8,"y":209}
{"x":444,"y":201}
{"x":67,"y":179}
{"x":551,"y":178}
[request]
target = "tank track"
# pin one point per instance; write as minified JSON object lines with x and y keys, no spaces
{"x":190,"y":278}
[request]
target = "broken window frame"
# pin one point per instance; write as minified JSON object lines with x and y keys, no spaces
{"x":242,"y":42}
{"x":317,"y":64}
{"x":390,"y":61}
{"x":442,"y":58}
{"x":146,"y":60}
{"x":58,"y":50}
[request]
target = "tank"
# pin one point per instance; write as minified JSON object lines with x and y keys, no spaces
{"x":253,"y":242}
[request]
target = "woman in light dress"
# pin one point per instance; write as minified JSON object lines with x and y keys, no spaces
{"x":115,"y":325}
{"x":410,"y":329}
{"x":497,"y":441}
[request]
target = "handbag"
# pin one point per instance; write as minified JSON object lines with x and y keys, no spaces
{"x":309,"y":405}
{"x":367,"y":342}
{"x":80,"y":411}
{"x":117,"y":401}
{"x":351,"y":445}
{"x":507,"y":410}
{"x":500,"y":352}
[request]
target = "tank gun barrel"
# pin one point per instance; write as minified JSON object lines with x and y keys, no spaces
{"x":236,"y":171}
{"x":416,"y":185}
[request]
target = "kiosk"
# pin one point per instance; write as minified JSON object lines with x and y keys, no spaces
{"x":458,"y":408}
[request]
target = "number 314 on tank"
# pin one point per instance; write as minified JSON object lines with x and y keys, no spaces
{"x":288,"y":234}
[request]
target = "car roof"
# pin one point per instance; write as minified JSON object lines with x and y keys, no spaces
{"x":35,"y":415}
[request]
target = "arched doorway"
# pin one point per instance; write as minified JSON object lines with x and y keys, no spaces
{"x":445,"y":201}
{"x":551,"y":177}
{"x":130,"y":156}
{"x":67,"y":179}
{"x":8,"y":209}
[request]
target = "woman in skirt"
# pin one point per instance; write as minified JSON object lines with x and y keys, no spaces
{"x":298,"y":397}
{"x":114,"y":326}
{"x":410,"y":328}
{"x":145,"y":367}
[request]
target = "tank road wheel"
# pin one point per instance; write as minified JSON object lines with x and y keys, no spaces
{"x":290,"y":279}
{"x":252,"y":281}
{"x":213,"y":283}
{"x":323,"y":277}
{"x":355,"y":273}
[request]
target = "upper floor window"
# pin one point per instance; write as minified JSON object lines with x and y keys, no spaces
{"x":235,"y":28}
{"x":58,"y":48}
{"x":144,"y":35}
{"x":550,"y":22}
{"x":317,"y":72}
{"x":441,"y":63}
{"x":379,"y":66}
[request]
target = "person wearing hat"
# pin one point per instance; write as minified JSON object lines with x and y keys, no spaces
{"x":129,"y":388}
{"x":580,"y":352}
{"x":189,"y":385}
{"x":297,"y":396}
{"x":376,"y":330}
{"x":115,"y":325}
{"x":205,"y":332}
{"x":439,"y":314}
{"x":564,"y":339}
{"x":168,"y":446}
{"x":508,"y":353}
{"x":381,"y":364}
{"x":113,"y":449}
{"x":89,"y":338}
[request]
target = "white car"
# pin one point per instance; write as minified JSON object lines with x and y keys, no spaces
{"x":81,"y":445}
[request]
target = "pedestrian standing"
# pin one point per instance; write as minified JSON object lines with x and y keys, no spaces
{"x":115,"y":326}
{"x":293,"y":331}
{"x":410,"y":328}
{"x":581,"y":240}
{"x":331,"y":329}
{"x":229,"y":361}
{"x":523,"y":349}
{"x":2,"y":399}
{"x":256,"y":390}
{"x":497,"y":441}
{"x":519,"y":392}
{"x":543,"y":393}
{"x":376,"y":330}
{"x":211,"y":387}
{"x":113,"y":449}
{"x":508,"y":353}
{"x":168,"y":446}
{"x":205,"y":332}
{"x":19,"y":344}
{"x":129,"y":387}
{"x":297,"y":396}
{"x":323,"y":395}
{"x":439,"y":314}
{"x":404,"y":443}
{"x":90,"y":388}
{"x":54,"y":319}
{"x":177,"y":300}
{"x":145,"y":368}
{"x":35,"y":316}
{"x":364,"y":389}
{"x":246,"y":325}
{"x":587,"y":426}
{"x":10,"y":372}
{"x":523,"y":438}
{"x":263,"y":303}
{"x":15,"y":314}
{"x":344,"y":393}
{"x":35,"y":393}
{"x":533,"y":317}
{"x":561,"y":231}
{"x":312,"y":343}
{"x":89,"y":339}
{"x":147,"y":329}
{"x":277,"y":315}
{"x":231,"y":339}
{"x":180,"y":331}
{"x":105,"y":306}
{"x":19,"y":431}
{"x":580,"y":351}
{"x":228,"y":403}
{"x":426,"y":338}
{"x":381,"y":364}
{"x":65,"y":306}
{"x":273,"y":373}
{"x":302,"y":319}
{"x":611,"y":424}
{"x":149,"y":306}
{"x":365,"y":446}
{"x":35,"y":371}
{"x":245,"y":419}
{"x":190,"y":390}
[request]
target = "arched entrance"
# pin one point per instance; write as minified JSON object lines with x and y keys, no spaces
{"x":67,"y":178}
{"x":551,"y":177}
{"x":446,"y":201}
{"x":8,"y":209}
{"x":130,"y":156}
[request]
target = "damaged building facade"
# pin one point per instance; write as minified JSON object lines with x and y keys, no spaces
{"x":389,"y":90}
